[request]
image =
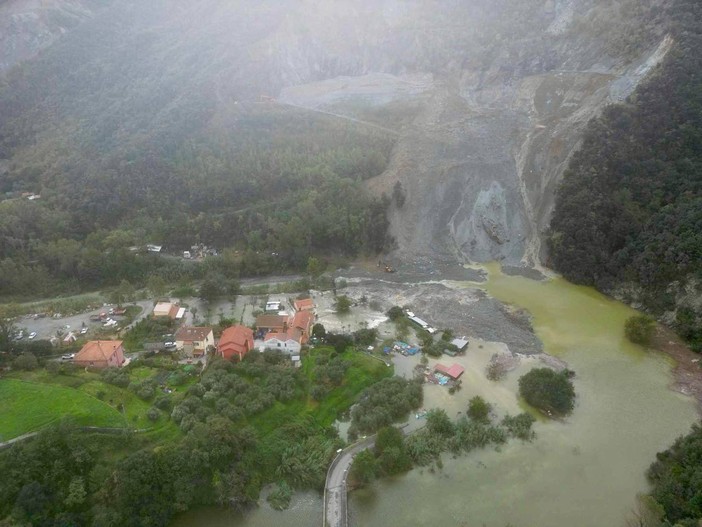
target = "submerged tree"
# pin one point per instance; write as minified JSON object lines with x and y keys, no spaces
{"x":547,"y":390}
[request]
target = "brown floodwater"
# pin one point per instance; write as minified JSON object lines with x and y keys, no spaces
{"x":582,"y":472}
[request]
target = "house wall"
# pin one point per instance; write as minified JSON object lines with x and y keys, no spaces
{"x":287,"y":346}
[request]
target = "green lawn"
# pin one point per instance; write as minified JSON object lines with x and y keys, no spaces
{"x":27,"y":406}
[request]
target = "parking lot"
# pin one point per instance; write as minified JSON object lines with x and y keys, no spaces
{"x":49,"y":327}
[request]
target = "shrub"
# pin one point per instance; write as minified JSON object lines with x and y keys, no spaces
{"x":519,"y":426}
{"x":639,"y":329}
{"x":395,"y":313}
{"x":343,"y":305}
{"x":479,"y":409}
{"x":153,"y":414}
{"x":548,"y":391}
{"x":280,"y":497}
{"x":495,"y":371}
{"x":116,"y":377}
{"x":26,"y":361}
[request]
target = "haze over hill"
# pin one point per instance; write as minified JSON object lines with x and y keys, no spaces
{"x":495,"y":94}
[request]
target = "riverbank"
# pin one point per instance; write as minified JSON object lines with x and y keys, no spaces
{"x":687,"y":373}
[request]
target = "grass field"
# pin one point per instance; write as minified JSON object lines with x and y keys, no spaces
{"x":27,"y":406}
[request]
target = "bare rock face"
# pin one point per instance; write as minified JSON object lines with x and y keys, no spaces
{"x":27,"y":27}
{"x":496,"y":126}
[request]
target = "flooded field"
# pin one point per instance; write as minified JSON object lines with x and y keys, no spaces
{"x":583,"y":472}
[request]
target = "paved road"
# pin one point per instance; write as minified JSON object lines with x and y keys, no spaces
{"x":335,"y":491}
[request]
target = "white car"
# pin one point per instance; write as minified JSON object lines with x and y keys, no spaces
{"x":83,"y":331}
{"x":32,"y":335}
{"x":68,"y":356}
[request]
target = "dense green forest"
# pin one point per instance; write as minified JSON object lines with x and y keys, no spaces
{"x":629,"y":210}
{"x":127,"y":147}
{"x":676,"y":475}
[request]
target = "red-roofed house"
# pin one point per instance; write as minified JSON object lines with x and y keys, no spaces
{"x":100,"y":354}
{"x":455,"y":371}
{"x":301,"y":325}
{"x":306,"y":304}
{"x":236,"y":341}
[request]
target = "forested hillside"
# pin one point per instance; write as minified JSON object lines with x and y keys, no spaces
{"x":132,"y":140}
{"x":628,"y":215}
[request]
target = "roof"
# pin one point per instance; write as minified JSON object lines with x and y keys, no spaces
{"x":180,"y":314}
{"x":302,"y":320}
{"x":166,"y":309}
{"x":283,"y":337}
{"x":459,"y":343}
{"x":305,"y":303}
{"x":270,"y":321}
{"x":236,"y":337}
{"x":192,"y":333}
{"x":98,"y":350}
{"x":455,"y":371}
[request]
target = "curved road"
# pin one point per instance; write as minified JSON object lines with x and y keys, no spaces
{"x":335,"y":495}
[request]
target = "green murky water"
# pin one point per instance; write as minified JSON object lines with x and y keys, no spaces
{"x":584,"y":472}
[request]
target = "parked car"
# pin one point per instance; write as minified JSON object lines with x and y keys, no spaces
{"x":68,"y":356}
{"x":169,"y":344}
{"x":32,"y":335}
{"x":83,"y":331}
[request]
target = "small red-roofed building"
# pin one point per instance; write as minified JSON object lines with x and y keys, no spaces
{"x":455,"y":371}
{"x":100,"y":354}
{"x":236,"y":342}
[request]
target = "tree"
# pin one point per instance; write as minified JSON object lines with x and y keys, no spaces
{"x":26,"y":361}
{"x":479,"y":409}
{"x":438,"y":423}
{"x":319,"y":331}
{"x":343,"y":305}
{"x":7,"y":325}
{"x":364,"y":468}
{"x":395,"y":313}
{"x":210,"y":289}
{"x":398,"y":194}
{"x":639,"y":329}
{"x":124,"y":293}
{"x":548,"y":391}
{"x":315,"y":267}
{"x":156,"y":285}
